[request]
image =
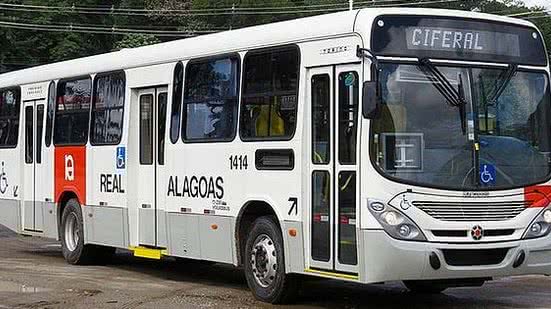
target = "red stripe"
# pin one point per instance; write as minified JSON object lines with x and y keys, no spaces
{"x":537,"y":196}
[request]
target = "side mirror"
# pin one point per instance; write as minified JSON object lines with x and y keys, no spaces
{"x":371,"y":101}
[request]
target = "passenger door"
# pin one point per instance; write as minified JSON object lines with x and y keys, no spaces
{"x":152,"y":119}
{"x":34,"y":190}
{"x":333,"y":101}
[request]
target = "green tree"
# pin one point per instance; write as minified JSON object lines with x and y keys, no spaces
{"x":135,"y":40}
{"x":28,"y":47}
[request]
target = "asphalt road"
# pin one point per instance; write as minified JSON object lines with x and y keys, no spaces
{"x":33,"y":274}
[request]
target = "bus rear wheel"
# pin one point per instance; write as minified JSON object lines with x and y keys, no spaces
{"x":72,"y":239}
{"x":265,"y":266}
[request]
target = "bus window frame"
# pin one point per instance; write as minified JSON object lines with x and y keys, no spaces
{"x":93,"y":102}
{"x":183,"y":109}
{"x":253,"y":52}
{"x":19,"y":101}
{"x":49,"y":140}
{"x":180,"y":103}
{"x":80,"y":77}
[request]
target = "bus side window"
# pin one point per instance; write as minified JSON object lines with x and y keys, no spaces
{"x":39,"y":128}
{"x":162,"y":100}
{"x":321,"y":119}
{"x":108,"y":109}
{"x":177,"y":88}
{"x":50,"y":114}
{"x":348,"y":116}
{"x":10,"y":103}
{"x":29,"y":134}
{"x":210,"y":99}
{"x":72,"y":111}
{"x":270,"y":94}
{"x":146,"y":129}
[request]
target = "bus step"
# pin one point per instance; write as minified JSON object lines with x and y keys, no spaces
{"x":148,"y":253}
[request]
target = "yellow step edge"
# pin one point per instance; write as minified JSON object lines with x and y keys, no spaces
{"x":332,"y":275}
{"x":148,"y":253}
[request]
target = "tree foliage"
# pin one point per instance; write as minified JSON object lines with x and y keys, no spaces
{"x":22,"y":47}
{"x":135,"y":40}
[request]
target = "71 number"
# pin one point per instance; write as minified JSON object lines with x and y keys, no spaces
{"x":238,"y":162}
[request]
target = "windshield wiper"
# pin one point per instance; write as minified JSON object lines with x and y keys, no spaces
{"x":502,"y":82}
{"x":455,"y":97}
{"x":441,"y":82}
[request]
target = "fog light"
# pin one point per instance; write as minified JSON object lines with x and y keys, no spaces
{"x":391,"y":218}
{"x":547,"y":216}
{"x":377,"y":206}
{"x":404,"y":230}
{"x":536,"y":228}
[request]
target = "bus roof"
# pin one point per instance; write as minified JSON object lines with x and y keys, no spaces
{"x":235,"y":40}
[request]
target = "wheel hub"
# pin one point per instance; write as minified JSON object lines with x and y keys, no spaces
{"x":71,"y":232}
{"x":264,"y":260}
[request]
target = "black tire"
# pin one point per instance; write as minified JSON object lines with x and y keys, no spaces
{"x":283,"y":287}
{"x":426,"y":286}
{"x":75,"y":251}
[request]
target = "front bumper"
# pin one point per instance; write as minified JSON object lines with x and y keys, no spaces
{"x":388,"y":259}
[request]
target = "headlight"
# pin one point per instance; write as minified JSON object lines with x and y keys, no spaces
{"x":541,"y":226}
{"x":394,"y":222}
{"x":547,"y":216}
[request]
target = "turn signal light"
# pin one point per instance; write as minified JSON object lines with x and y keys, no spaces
{"x":293,"y":232}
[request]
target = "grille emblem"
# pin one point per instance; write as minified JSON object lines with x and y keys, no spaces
{"x":477,"y":233}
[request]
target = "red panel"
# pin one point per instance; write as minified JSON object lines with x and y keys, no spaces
{"x":70,"y":172}
{"x":538,"y":196}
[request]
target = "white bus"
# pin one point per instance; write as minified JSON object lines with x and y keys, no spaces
{"x":369,"y":146}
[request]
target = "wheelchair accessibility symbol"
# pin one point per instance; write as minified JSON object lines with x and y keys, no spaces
{"x":121,"y":157}
{"x":487,"y":174}
{"x":3,"y":180}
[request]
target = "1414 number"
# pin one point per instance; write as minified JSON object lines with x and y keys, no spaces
{"x":238,"y":162}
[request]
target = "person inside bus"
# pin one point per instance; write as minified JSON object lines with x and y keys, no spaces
{"x":268,"y":120}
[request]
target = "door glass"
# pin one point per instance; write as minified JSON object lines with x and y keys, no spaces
{"x":321,"y":217}
{"x":161,"y":113}
{"x":321,"y":119}
{"x":146,"y":129}
{"x":29,"y":134}
{"x":39,"y":125}
{"x":347,"y":218}
{"x":348,"y":116}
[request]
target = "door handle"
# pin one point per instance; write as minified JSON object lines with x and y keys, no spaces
{"x":146,"y":206}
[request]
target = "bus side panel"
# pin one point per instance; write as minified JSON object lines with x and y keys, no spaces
{"x":294,"y":247}
{"x":107,"y":226}
{"x":183,"y":238}
{"x":70,"y":172}
{"x":106,"y":212}
{"x":11,"y":214}
{"x":10,"y":186}
{"x":50,"y":220}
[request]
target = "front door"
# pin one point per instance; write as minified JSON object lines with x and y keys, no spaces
{"x":33,"y":190}
{"x":334,"y":101}
{"x":152,"y":118}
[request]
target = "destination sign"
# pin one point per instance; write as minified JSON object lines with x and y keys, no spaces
{"x":448,"y":39}
{"x":457,"y":39}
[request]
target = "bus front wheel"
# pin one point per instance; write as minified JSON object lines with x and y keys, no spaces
{"x":264,"y":263}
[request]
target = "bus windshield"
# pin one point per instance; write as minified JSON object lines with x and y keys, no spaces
{"x":495,"y":134}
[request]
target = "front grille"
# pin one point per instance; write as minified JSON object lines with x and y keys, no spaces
{"x":475,"y":257}
{"x":472,"y":211}
{"x":465,"y":233}
{"x":450,"y":233}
